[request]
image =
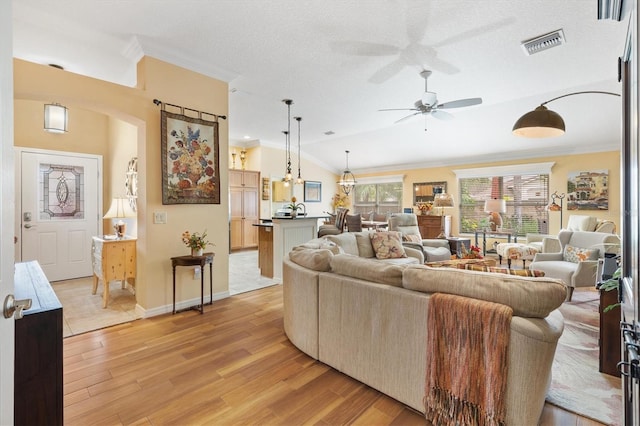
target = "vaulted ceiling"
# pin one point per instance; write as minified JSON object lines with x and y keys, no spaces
{"x":342,"y":61}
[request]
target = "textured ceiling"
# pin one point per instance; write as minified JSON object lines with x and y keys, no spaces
{"x":342,"y":61}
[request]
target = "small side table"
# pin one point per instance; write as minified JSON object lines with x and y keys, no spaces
{"x":206,"y":258}
{"x":455,"y":244}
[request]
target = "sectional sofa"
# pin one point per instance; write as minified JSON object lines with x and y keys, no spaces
{"x":367,"y":317}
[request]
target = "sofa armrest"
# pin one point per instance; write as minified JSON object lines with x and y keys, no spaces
{"x":412,"y":245}
{"x":585,"y":275}
{"x":541,"y":257}
{"x":414,"y":252}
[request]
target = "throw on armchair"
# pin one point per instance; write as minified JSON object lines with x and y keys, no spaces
{"x":577,"y":262}
{"x":337,"y":226}
{"x":407,"y":224}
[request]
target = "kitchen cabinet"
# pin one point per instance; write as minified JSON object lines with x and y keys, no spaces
{"x":244,"y":193}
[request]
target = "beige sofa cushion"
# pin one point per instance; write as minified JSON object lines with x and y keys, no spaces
{"x":368,"y":269}
{"x":347,"y":241}
{"x":365,"y":249}
{"x":527,"y":296}
{"x":315,"y":259}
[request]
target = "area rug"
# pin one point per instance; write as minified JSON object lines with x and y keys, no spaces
{"x":577,"y":385}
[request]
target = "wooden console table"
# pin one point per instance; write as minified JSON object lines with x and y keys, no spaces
{"x":206,"y":258}
{"x":113,"y":260}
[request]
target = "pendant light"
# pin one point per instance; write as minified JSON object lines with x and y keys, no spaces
{"x":287,"y":163}
{"x":348,"y":180}
{"x":299,"y":180}
{"x":288,"y":176}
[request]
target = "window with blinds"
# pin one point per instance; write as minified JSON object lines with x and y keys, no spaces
{"x":526,"y":195}
{"x":382,"y":198}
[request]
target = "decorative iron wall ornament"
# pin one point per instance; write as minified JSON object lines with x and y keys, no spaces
{"x":190,"y":158}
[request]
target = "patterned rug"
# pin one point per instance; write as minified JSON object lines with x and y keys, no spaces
{"x":577,"y":385}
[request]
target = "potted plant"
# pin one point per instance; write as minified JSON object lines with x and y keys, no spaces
{"x":295,"y":207}
{"x":196,"y":242}
{"x":609,"y":285}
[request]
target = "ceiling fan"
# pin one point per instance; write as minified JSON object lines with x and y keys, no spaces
{"x":428,"y":104}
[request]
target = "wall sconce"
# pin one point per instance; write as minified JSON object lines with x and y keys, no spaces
{"x":233,"y":159}
{"x":243,"y":157}
{"x":56,"y":118}
{"x":120,"y":209}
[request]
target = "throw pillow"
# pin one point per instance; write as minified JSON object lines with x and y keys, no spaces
{"x":387,"y":245}
{"x":412,"y":238}
{"x":577,"y":254}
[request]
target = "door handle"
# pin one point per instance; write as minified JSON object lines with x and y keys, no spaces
{"x":28,"y":225}
{"x":15,"y":307}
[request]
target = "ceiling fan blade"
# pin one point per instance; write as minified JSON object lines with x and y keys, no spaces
{"x":400,"y":109}
{"x":476,"y":32}
{"x":407,"y":117}
{"x":387,"y":71}
{"x":361,"y":48}
{"x":461,"y":103}
{"x":442,"y":115}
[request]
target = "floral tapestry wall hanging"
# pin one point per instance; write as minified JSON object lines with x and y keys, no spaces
{"x":190,"y":160}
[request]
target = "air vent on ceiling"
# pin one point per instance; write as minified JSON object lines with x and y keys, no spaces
{"x":543,"y":42}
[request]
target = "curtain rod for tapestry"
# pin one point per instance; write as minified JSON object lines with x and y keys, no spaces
{"x":182,"y":109}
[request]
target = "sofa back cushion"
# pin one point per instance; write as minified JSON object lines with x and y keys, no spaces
{"x":365,"y":249}
{"x":316,"y":259}
{"x":367,"y":269}
{"x":347,"y":241}
{"x":578,"y":222}
{"x":527,"y":296}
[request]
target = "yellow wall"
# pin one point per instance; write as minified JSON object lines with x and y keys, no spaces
{"x":156,"y":80}
{"x":557,"y":182}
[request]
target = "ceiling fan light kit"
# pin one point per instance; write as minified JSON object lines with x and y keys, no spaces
{"x":544,"y":123}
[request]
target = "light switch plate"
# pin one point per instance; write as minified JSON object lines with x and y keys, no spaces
{"x":160,"y":217}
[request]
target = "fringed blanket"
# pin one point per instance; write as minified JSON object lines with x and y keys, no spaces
{"x":467,"y":351}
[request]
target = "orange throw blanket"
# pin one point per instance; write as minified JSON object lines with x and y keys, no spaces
{"x":467,"y":354}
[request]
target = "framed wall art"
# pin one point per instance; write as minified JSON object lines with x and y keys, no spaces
{"x":312,"y":191}
{"x":190,"y":160}
{"x":588,"y":190}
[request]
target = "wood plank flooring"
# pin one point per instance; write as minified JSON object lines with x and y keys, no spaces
{"x":233,"y":365}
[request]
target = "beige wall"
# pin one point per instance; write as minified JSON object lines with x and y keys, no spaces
{"x":39,"y":84}
{"x":557,"y":182}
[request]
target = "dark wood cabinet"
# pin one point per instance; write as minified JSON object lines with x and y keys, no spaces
{"x":38,"y":388}
{"x":609,"y":339}
{"x":431,"y":226}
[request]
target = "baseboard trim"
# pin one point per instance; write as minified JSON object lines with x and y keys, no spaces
{"x":183,"y":304}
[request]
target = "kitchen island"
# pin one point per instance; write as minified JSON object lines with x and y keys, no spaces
{"x":289,"y":232}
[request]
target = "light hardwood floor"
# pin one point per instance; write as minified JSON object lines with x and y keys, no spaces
{"x":232,"y":365}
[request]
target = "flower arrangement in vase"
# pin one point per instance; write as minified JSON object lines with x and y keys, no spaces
{"x":295,"y":206}
{"x":196,"y":242}
{"x":472,"y":253}
{"x":425,"y":208}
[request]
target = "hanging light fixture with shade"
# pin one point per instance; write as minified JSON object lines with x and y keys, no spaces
{"x":299,"y":180}
{"x":120,"y":209}
{"x":348,"y":180}
{"x":494,"y":207}
{"x":544,"y":123}
{"x":56,"y":118}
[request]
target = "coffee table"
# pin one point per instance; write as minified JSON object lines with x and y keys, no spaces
{"x":453,"y":263}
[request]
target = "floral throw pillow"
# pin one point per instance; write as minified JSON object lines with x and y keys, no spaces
{"x":577,"y":254}
{"x":387,"y":245}
{"x":412,"y":238}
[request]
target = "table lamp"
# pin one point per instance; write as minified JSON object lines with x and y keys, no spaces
{"x":442,"y":200}
{"x":120,"y":209}
{"x":494,"y":207}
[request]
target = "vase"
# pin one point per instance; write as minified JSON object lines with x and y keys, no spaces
{"x":294,"y":213}
{"x":196,"y":252}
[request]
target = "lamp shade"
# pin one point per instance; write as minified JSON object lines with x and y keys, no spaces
{"x":539,"y":123}
{"x":120,"y":208}
{"x":443,"y":200}
{"x":495,"y":206}
{"x":56,"y":118}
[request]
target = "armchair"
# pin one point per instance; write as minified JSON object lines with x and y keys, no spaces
{"x":407,"y":224}
{"x":576,"y":264}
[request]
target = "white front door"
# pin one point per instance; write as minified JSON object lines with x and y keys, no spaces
{"x":59,"y":205}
